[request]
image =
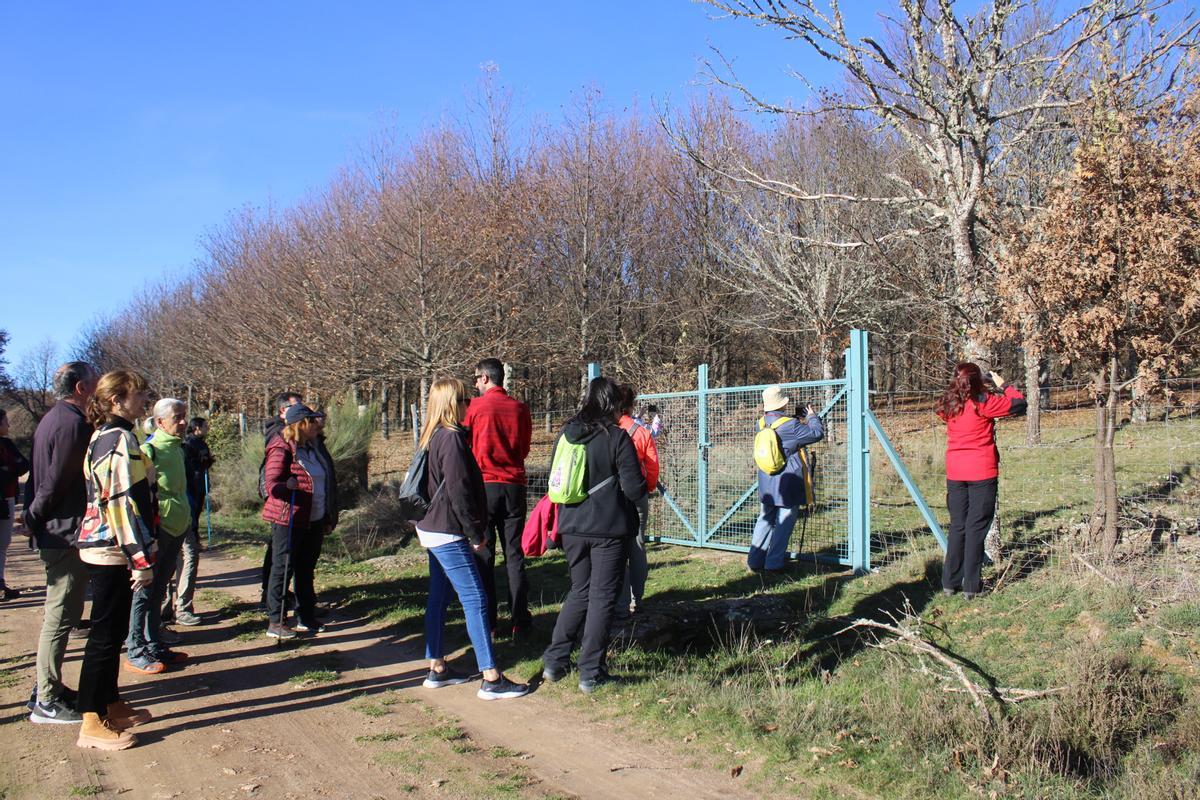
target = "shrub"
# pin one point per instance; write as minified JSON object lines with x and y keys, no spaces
{"x":235,"y":474}
{"x":348,"y":432}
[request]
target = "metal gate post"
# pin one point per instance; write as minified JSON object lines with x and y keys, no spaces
{"x":593,"y":371}
{"x":702,"y":445}
{"x":858,"y":447}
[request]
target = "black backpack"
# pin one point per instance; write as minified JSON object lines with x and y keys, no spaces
{"x":414,"y":504}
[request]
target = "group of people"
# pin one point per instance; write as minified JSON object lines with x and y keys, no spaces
{"x":107,"y":510}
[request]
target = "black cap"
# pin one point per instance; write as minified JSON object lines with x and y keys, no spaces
{"x":299,"y":412}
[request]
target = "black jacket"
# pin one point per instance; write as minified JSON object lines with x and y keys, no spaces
{"x":331,"y":485}
{"x":56,"y":493}
{"x":612,"y":511}
{"x":12,"y":466}
{"x":197,"y":459}
{"x":461,"y":504}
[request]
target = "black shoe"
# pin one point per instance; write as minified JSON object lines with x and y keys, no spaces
{"x":55,"y":713}
{"x":9,"y":594}
{"x":970,"y":595}
{"x":501,"y":689}
{"x":522,"y":633}
{"x":32,"y":698}
{"x":949,"y":592}
{"x":589,"y":685}
{"x":552,"y":674}
{"x":447,"y":677}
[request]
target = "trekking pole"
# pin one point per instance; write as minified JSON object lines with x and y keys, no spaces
{"x":287,"y":559}
{"x":207,"y":509}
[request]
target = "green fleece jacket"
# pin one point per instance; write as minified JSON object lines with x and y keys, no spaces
{"x":166,"y":452}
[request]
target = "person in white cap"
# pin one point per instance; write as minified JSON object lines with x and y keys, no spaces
{"x":784,"y":492}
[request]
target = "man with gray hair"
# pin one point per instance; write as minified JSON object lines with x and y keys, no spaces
{"x":146,"y":652}
{"x":55,"y":500}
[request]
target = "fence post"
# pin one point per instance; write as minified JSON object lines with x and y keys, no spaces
{"x":593,"y":371}
{"x":858,"y":448}
{"x":702,"y":445}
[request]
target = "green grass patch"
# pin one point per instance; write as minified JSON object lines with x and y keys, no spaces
{"x":379,"y":737}
{"x":90,"y":790}
{"x":314,"y":677}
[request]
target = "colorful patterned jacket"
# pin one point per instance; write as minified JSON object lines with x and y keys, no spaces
{"x":122,"y":513}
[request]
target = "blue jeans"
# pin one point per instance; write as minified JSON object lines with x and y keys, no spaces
{"x":769,"y":544}
{"x":145,"y":617}
{"x":452,"y":566}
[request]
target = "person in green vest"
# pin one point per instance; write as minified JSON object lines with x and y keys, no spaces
{"x":145,"y":650}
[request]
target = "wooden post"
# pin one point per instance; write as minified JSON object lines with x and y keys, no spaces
{"x":383,"y":404}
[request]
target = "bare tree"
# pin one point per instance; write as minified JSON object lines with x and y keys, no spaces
{"x":936,"y":80}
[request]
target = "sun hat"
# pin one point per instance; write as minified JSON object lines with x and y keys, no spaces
{"x":774,"y":398}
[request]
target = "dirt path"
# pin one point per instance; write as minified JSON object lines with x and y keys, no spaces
{"x":239,"y":722}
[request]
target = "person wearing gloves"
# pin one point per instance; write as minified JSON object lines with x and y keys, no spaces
{"x":597,"y":532}
{"x":453,"y":532}
{"x":972,"y":470}
{"x":117,"y":536}
{"x":146,"y":652}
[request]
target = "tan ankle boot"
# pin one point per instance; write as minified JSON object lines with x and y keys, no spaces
{"x":123,"y":716}
{"x":102,"y":735}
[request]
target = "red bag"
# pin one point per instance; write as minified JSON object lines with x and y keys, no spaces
{"x":541,"y":529}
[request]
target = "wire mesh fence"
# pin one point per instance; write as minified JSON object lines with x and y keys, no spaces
{"x":1047,"y":486}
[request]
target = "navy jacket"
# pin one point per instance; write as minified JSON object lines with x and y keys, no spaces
{"x":56,"y":493}
{"x":787,"y":489}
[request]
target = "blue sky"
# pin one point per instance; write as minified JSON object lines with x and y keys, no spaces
{"x":129,"y":128}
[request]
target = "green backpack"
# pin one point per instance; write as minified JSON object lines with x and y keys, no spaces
{"x":768,"y":450}
{"x":568,"y":474}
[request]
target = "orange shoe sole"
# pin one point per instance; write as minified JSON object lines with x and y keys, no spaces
{"x":154,"y":668}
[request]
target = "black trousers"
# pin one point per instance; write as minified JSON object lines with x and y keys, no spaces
{"x":972,"y":505}
{"x":506,"y":523}
{"x":597,"y":567}
{"x":294,"y":556}
{"x":112,"y":597}
{"x":306,"y":551}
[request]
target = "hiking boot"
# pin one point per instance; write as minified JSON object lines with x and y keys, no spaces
{"x":143,"y":665}
{"x":187,"y":618}
{"x":55,"y":712}
{"x":281,"y":632}
{"x":9,"y":594}
{"x":168,"y":636}
{"x":447,"y":677}
{"x":124,"y":716}
{"x":553,"y":674}
{"x":101,"y":734}
{"x":501,"y":689}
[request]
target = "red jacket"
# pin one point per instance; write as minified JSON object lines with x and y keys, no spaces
{"x":647,"y":450}
{"x":971,"y":452}
{"x":500,"y":429}
{"x":281,"y":465}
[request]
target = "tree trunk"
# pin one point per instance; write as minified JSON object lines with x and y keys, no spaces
{"x":1099,"y":392}
{"x":1111,"y":529}
{"x":1033,"y":395}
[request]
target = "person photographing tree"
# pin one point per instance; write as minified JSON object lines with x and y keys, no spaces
{"x":972,"y":470}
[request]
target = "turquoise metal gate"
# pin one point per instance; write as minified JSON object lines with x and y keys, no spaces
{"x":709,"y":486}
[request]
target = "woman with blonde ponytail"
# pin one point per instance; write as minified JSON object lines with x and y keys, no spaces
{"x":452,"y":530}
{"x":117,"y":544}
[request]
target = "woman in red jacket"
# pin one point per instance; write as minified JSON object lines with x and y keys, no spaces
{"x":300,"y":509}
{"x":972,"y":470}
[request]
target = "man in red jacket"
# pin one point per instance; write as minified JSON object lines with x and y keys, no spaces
{"x":500,"y":429}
